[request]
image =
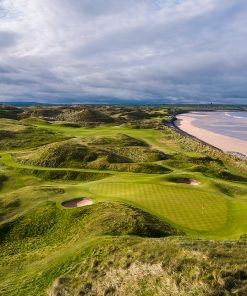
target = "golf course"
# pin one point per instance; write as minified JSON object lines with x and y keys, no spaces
{"x":91,"y":194}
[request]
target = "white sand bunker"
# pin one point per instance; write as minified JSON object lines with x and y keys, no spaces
{"x":188,"y":181}
{"x":77,"y":202}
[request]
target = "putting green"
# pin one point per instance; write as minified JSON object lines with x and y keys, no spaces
{"x":186,"y":207}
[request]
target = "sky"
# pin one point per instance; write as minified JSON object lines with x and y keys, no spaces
{"x":117,"y":51}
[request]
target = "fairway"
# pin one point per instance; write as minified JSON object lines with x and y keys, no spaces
{"x":186,"y":207}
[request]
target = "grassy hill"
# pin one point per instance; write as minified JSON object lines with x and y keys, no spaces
{"x":139,"y":267}
{"x":84,"y":116}
{"x":111,"y":248}
{"x":55,"y":232}
{"x":18,"y":135}
{"x":122,"y":153}
{"x":10,"y":112}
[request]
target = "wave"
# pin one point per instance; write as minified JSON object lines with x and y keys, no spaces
{"x":234,"y":116}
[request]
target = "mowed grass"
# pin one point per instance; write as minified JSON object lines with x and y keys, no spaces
{"x":186,"y":207}
{"x":200,"y":211}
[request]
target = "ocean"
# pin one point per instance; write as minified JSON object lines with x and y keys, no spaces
{"x":231,"y":124}
{"x":237,"y":114}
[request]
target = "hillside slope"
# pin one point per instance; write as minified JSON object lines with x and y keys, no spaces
{"x":121,"y":154}
{"x":113,"y":249}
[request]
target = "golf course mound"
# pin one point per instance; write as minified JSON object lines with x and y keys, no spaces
{"x":218,"y":172}
{"x":60,"y":154}
{"x":64,"y":175}
{"x":75,"y":153}
{"x":135,"y":115}
{"x":139,"y":154}
{"x":77,"y":203}
{"x":121,"y":140}
{"x":86,"y":115}
{"x":80,"y":115}
{"x":42,"y":112}
{"x":231,"y":190}
{"x":19,"y":135}
{"x":8,"y":111}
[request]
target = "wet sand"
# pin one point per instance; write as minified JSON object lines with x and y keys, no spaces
{"x":186,"y":122}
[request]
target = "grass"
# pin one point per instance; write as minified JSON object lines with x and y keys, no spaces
{"x":15,"y":135}
{"x":121,"y":153}
{"x":100,"y":250}
{"x":205,"y":211}
{"x":47,"y":246}
{"x":138,"y":267}
{"x":188,"y":208}
{"x":153,"y":137}
{"x":200,"y":212}
{"x":124,"y":243}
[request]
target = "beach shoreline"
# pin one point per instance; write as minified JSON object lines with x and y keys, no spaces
{"x":234,"y":146}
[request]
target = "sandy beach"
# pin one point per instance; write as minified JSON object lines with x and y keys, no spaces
{"x":186,"y":122}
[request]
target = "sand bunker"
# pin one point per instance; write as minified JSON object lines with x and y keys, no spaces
{"x":77,"y":202}
{"x":192,"y":182}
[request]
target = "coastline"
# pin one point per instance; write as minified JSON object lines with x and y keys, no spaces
{"x":236,"y":147}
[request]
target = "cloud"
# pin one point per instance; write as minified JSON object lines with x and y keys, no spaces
{"x":7,"y":39}
{"x":115,"y":51}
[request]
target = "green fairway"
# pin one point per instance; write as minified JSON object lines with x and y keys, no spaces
{"x":188,"y":208}
{"x":200,"y":211}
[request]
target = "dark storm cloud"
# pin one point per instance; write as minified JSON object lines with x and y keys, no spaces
{"x":115,"y":51}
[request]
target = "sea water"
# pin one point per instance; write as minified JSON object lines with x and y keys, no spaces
{"x":237,"y":114}
{"x":230,"y":124}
